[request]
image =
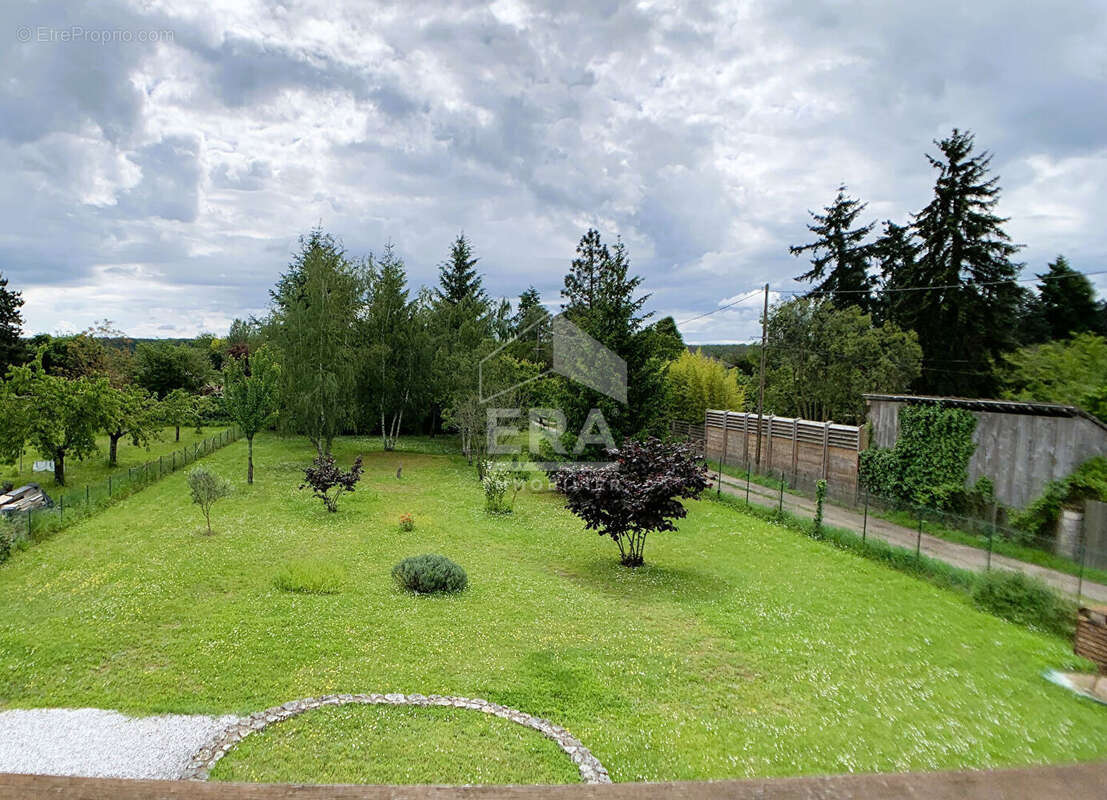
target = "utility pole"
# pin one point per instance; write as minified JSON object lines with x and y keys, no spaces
{"x":761,"y":391}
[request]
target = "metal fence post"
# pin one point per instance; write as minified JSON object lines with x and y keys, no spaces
{"x":159,"y":466}
{"x":109,"y":486}
{"x":780,"y":505}
{"x":747,"y":484}
{"x":918,"y":540}
{"x":86,"y":496}
{"x":1083,"y":558}
{"x":865,"y":519}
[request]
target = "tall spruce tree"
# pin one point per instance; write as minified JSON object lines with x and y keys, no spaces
{"x":461,"y":323}
{"x":458,"y":278}
{"x":601,"y":298}
{"x":1068,"y":300}
{"x":894,"y":254}
{"x":967,"y":319}
{"x":312,"y":325}
{"x":839,"y":256}
{"x":12,"y":351}
{"x":528,"y":325}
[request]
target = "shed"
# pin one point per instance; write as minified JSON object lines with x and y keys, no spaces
{"x":1020,"y":447}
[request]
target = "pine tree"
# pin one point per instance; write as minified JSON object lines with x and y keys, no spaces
{"x":12,"y":352}
{"x":600,"y":291}
{"x":839,"y":257}
{"x":967,"y":319}
{"x":1068,"y":300}
{"x":894,"y":253}
{"x":458,"y":277}
{"x":600,"y":294}
{"x":528,"y":324}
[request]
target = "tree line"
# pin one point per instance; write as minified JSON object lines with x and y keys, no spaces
{"x":349,"y":347}
{"x":932,"y":304}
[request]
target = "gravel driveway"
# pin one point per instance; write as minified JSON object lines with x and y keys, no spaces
{"x":102,"y":744}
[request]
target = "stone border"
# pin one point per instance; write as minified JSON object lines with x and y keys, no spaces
{"x":201,"y":763}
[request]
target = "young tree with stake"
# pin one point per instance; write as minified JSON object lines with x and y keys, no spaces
{"x":206,"y":489}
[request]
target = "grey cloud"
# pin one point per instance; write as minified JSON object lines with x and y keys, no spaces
{"x":699,"y":134}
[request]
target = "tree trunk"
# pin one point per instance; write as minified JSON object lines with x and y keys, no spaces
{"x":113,"y":448}
{"x":59,"y":467}
{"x":178,"y":433}
{"x":249,"y":459}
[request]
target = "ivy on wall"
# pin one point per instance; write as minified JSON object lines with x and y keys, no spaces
{"x":929,"y":464}
{"x":1087,"y":482}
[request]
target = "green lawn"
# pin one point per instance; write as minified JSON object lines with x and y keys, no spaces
{"x":396,"y":744}
{"x":741,"y":649}
{"x":95,"y":469}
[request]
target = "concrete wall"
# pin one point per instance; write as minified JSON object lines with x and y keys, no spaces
{"x":1019,"y":453}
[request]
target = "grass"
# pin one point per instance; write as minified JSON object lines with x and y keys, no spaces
{"x":397,"y":744}
{"x":309,"y":576}
{"x":742,"y":648}
{"x":95,"y":469}
{"x":1000,"y":545}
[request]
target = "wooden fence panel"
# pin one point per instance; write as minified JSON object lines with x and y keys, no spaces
{"x":797,"y":446}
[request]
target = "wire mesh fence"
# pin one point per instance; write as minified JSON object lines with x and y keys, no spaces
{"x":1070,"y":560}
{"x":70,"y":504}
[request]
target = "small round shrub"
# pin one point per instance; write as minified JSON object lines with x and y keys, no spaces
{"x":309,"y":576}
{"x":1024,"y":600}
{"x":429,"y":574}
{"x":407,"y":522}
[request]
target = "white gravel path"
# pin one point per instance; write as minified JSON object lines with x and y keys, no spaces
{"x":102,"y":744}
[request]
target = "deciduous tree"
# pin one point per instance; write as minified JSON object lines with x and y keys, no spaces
{"x":60,"y":417}
{"x":698,"y":382}
{"x":132,"y":413}
{"x":313,"y":327}
{"x":638,"y":493}
{"x":820,"y":360}
{"x":397,"y":353}
{"x":251,"y":398}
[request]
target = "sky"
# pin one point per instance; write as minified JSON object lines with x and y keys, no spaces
{"x":160,"y":159}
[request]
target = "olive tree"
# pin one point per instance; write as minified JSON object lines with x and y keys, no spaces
{"x":207,"y":488}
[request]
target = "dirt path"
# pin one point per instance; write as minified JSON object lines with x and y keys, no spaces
{"x":958,"y":555}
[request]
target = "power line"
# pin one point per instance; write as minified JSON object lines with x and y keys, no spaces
{"x":741,"y":299}
{"x":753,"y":292}
{"x":1075,"y":274}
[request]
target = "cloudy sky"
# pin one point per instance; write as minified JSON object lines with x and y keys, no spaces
{"x":160,"y":158}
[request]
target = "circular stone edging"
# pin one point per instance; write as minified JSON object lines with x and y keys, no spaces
{"x":201,"y":763}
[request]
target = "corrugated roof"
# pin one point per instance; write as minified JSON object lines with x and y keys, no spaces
{"x":995,"y":406}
